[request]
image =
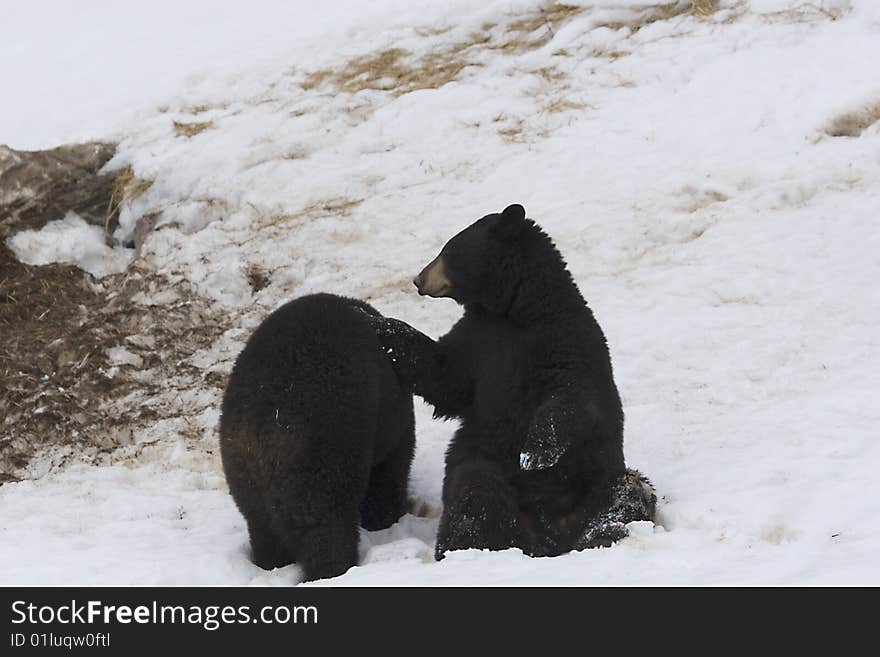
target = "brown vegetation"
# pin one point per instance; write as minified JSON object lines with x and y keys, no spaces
{"x":63,"y":383}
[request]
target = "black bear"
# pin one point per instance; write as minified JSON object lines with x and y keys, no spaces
{"x":537,"y":462}
{"x":316,"y":435}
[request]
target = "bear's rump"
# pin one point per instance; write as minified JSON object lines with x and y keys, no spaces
{"x":308,"y":382}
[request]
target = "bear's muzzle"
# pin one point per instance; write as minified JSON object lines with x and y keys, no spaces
{"x":432,"y":280}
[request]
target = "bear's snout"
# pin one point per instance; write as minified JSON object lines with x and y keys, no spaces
{"x":432,"y":280}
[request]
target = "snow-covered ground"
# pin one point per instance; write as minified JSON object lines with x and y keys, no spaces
{"x":683,"y":163}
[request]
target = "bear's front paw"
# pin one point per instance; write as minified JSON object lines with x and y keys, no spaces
{"x":402,"y":367}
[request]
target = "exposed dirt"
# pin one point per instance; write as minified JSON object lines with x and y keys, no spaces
{"x":854,"y":123}
{"x":73,"y":348}
{"x":37,"y":187}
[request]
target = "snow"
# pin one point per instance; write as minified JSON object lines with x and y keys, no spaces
{"x":70,"y":240}
{"x":110,"y":62}
{"x":726,"y":244}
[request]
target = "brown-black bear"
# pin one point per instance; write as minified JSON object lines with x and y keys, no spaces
{"x":316,"y":435}
{"x":537,"y":462}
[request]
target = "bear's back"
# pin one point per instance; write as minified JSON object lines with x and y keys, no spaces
{"x":312,"y":367}
{"x":514,"y":369}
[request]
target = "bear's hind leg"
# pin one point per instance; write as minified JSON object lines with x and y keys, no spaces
{"x":268,"y":551}
{"x":385,"y":500}
{"x":632,"y":498}
{"x":326,"y":550}
{"x":480,"y":510}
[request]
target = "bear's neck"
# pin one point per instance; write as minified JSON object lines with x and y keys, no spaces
{"x":551,"y":299}
{"x":546,"y":291}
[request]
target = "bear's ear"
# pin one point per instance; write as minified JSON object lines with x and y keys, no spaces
{"x":515,"y":211}
{"x":510,"y":222}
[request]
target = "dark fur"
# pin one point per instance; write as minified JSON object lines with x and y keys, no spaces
{"x":316,"y":435}
{"x":539,"y":453}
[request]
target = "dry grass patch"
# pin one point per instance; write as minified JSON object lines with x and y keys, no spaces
{"x":704,"y":7}
{"x":613,"y":55}
{"x":399,"y":71}
{"x":513,"y":132}
{"x":663,"y":12}
{"x":188,"y":130}
{"x":536,"y":29}
{"x":431,"y":31}
{"x":548,"y":73}
{"x":804,"y":13}
{"x":126,"y":188}
{"x":202,"y":109}
{"x":597,"y":53}
{"x":853,"y":124}
{"x":393,"y":69}
{"x":337,"y":206}
{"x":564,"y":105}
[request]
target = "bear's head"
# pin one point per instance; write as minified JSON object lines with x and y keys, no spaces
{"x":503,"y":263}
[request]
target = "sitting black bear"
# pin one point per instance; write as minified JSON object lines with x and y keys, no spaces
{"x":537,"y":462}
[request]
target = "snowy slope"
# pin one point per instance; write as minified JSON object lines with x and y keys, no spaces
{"x":683,"y":164}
